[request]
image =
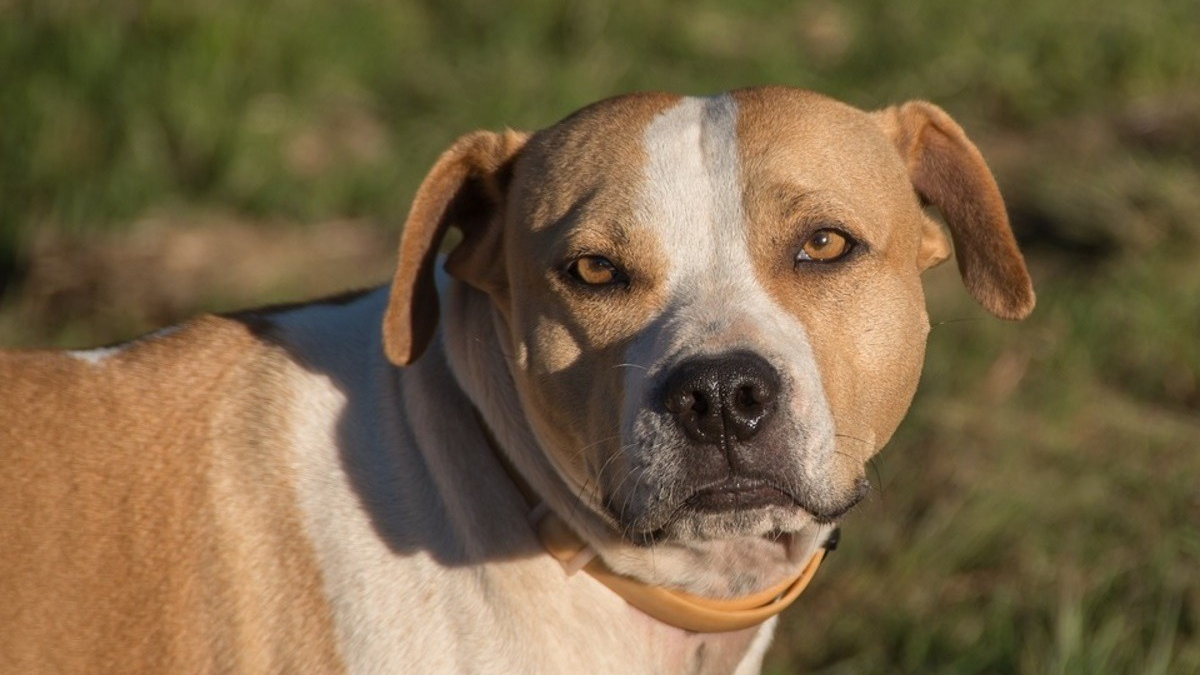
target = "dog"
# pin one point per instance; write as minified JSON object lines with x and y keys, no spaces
{"x":672,"y":333}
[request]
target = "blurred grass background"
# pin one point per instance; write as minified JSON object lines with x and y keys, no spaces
{"x":1039,"y":512}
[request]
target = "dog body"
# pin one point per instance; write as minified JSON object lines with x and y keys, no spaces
{"x":680,"y":325}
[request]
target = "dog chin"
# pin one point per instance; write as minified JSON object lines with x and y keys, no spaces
{"x":701,"y":526}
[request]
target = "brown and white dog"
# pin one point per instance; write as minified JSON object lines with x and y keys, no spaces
{"x":682,"y":325}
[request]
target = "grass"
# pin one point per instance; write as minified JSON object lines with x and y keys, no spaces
{"x":1037,"y":513}
{"x":1034,"y":515}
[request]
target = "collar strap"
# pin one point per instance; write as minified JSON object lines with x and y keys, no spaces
{"x":672,"y":607}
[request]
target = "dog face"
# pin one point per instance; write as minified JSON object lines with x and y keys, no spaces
{"x":711,"y":307}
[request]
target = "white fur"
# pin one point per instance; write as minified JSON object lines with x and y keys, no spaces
{"x":99,"y":355}
{"x":752,"y":663}
{"x":457,"y":596}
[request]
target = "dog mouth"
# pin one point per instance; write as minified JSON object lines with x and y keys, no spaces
{"x":735,"y":506}
{"x":738,"y":494}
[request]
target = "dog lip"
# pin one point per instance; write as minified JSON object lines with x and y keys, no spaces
{"x":736,"y":494}
{"x":728,"y":496}
{"x":831,"y":515}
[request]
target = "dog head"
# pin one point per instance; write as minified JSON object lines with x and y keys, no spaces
{"x":711,"y":308}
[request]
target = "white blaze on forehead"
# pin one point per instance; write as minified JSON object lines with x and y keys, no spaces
{"x":692,"y":202}
{"x":692,"y":193}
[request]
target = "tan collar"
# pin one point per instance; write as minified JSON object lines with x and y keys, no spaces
{"x":672,"y":607}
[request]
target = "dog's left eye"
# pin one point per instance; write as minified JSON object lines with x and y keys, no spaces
{"x":826,"y":245}
{"x":595,"y":270}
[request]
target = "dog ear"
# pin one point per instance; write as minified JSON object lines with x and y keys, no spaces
{"x":947,"y":171}
{"x":464,"y":189}
{"x":934,"y":249}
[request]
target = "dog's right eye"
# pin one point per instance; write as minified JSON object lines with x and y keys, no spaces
{"x":824,"y":246}
{"x":595,"y":270}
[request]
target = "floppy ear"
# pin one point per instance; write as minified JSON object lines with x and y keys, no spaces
{"x":465,"y":189}
{"x":947,"y":171}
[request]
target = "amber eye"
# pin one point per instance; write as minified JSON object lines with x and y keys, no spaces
{"x":825,"y":246}
{"x":594,"y":270}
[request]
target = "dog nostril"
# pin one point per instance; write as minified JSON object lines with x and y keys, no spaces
{"x":679,"y":401}
{"x":752,"y":395}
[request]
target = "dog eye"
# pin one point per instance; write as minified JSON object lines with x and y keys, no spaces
{"x":825,"y":246}
{"x":594,"y":270}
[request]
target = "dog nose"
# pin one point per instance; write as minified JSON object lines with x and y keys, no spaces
{"x":717,"y":399}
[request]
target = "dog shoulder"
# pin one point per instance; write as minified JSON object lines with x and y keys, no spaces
{"x":177,"y":441}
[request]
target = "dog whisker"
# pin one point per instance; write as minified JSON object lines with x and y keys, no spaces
{"x":873,"y":463}
{"x":853,"y":438}
{"x":580,"y":496}
{"x":491,"y":344}
{"x":579,"y":452}
{"x":943,"y":322}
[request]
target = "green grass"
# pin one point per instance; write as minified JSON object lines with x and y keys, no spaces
{"x":1037,"y":513}
{"x":1039,"y":510}
{"x":312,"y":109}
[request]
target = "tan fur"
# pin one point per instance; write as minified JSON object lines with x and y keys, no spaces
{"x":460,"y":190}
{"x":866,"y":320}
{"x":141,"y":522}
